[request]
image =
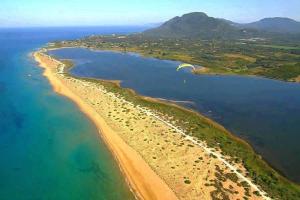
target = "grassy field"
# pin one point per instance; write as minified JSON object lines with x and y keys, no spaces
{"x":278,"y":46}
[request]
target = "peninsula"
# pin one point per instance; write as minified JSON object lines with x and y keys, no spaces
{"x":150,"y":100}
{"x":165,"y":151}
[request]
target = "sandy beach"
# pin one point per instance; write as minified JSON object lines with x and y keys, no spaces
{"x":157,"y":159}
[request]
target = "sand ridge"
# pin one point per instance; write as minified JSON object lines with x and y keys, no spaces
{"x":145,"y":183}
{"x":158,"y":162}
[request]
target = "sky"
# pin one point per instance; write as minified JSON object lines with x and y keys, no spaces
{"x":30,"y":13}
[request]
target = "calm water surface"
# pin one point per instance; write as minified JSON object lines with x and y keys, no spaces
{"x":264,"y":112}
{"x":48,"y":148}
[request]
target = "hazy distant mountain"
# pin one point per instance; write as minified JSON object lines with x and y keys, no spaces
{"x":199,"y":25}
{"x":195,"y":25}
{"x":154,"y":25}
{"x":276,"y":24}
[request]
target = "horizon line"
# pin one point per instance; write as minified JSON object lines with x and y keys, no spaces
{"x":148,"y":24}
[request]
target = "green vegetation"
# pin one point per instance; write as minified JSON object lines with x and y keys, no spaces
{"x":68,"y":64}
{"x":285,"y":72}
{"x":278,"y":46}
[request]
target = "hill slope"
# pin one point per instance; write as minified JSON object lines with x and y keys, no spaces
{"x":195,"y":25}
{"x":276,"y":25}
{"x":199,"y":25}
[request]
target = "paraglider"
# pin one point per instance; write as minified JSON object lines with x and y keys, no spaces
{"x":184,"y":65}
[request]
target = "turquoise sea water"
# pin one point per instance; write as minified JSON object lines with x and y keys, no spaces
{"x":264,"y":112}
{"x":48,"y":148}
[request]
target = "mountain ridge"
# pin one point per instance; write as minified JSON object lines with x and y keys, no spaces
{"x":275,"y":24}
{"x":200,"y":25}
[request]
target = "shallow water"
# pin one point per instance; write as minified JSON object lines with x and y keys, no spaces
{"x":264,"y":112}
{"x":48,"y":148}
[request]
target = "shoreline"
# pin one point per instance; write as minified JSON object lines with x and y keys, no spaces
{"x":209,"y":121}
{"x":175,"y":103}
{"x":129,"y":161}
{"x":187,"y":109}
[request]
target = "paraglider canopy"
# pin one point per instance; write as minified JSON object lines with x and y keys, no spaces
{"x":184,"y":65}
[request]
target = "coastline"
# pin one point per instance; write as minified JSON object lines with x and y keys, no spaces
{"x":177,"y":103}
{"x":145,"y":183}
{"x":147,"y":99}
